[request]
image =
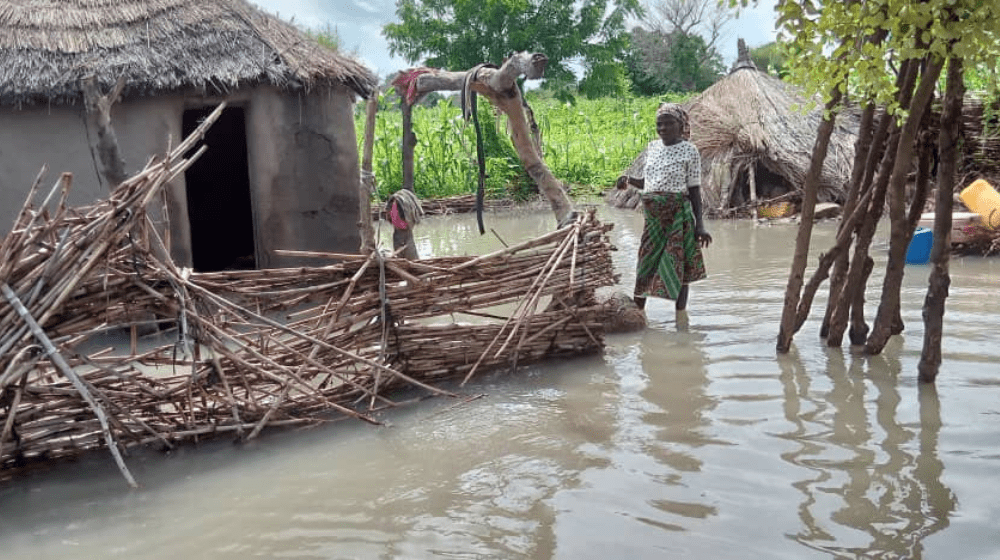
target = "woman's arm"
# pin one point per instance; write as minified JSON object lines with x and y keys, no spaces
{"x":703,"y":237}
{"x":625,"y":180}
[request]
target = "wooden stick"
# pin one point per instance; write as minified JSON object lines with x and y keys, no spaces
{"x":58,"y":360}
{"x":8,"y":425}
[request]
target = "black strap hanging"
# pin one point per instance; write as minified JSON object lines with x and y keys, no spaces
{"x":469,"y":107}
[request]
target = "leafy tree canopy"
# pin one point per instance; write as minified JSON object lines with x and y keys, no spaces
{"x":672,"y":62}
{"x":827,"y":40}
{"x":459,"y":34}
{"x":771,"y":58}
{"x":674,"y":49}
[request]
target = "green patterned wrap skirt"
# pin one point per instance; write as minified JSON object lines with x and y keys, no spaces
{"x":669,"y":255}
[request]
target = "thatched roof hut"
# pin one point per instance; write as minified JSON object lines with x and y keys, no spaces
{"x":281,"y":171}
{"x":752,"y":126}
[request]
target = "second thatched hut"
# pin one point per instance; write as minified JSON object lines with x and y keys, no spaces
{"x":754,"y":129}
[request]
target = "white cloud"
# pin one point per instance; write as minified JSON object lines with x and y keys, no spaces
{"x":365,"y":6}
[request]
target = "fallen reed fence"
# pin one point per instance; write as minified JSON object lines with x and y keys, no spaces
{"x":235,"y":352}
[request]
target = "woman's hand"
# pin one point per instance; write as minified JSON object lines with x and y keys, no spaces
{"x":703,"y":238}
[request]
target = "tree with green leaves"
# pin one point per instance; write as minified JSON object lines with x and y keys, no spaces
{"x":671,"y":62}
{"x":674,"y":49}
{"x":888,"y":57}
{"x":771,"y":58}
{"x":460,"y":34}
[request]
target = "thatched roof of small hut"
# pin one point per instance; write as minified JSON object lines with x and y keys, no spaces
{"x":215,"y":46}
{"x":752,"y":120}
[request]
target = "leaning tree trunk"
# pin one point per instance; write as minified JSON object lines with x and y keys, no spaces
{"x":940,"y":280}
{"x":851,"y":304}
{"x":499,"y":85}
{"x":860,"y":181}
{"x":900,"y":232}
{"x":826,"y":260}
{"x":99,"y":105}
{"x":848,"y":306}
{"x":795,"y":277}
{"x":841,"y":260}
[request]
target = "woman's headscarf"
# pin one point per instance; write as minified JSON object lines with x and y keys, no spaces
{"x":678,"y":112}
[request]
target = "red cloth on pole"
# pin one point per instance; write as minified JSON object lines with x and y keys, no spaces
{"x":397,"y":221}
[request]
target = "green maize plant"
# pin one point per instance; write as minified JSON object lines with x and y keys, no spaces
{"x":586,"y":144}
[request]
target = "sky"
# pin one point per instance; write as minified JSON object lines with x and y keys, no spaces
{"x":359,"y":24}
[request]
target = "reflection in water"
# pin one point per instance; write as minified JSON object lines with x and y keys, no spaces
{"x":677,"y":385}
{"x":876,"y":487}
{"x":674,"y":443}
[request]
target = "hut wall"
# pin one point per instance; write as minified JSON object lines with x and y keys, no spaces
{"x":304,"y":173}
{"x":60,"y":136}
{"x":303,"y":164}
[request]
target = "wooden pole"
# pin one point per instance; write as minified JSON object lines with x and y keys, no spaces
{"x":367,"y":180}
{"x":402,"y":239}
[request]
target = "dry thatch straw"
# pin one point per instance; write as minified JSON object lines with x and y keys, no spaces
{"x":980,"y":141}
{"x":750,"y":119}
{"x":245,"y":350}
{"x":211,"y":46}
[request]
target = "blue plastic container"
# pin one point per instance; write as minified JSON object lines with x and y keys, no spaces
{"x":919,"y":251}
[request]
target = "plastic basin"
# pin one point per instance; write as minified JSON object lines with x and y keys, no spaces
{"x":919,"y":251}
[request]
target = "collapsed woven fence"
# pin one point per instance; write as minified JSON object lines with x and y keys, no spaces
{"x":239,"y":351}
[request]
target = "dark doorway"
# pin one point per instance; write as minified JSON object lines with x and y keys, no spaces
{"x":769,"y":185}
{"x":218,"y":194}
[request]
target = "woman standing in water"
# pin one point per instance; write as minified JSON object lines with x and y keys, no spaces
{"x":670,"y":251}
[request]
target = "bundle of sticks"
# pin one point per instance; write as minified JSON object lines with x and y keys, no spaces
{"x":237,"y":351}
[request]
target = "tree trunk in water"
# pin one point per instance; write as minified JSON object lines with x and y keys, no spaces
{"x":900,"y":232}
{"x":925,"y":157}
{"x":499,"y":85}
{"x":870,"y":141}
{"x":844,"y":236}
{"x":108,"y":152}
{"x":841,"y":260}
{"x":402,"y":239}
{"x":367,"y":184}
{"x":858,"y":332}
{"x":849,"y":303}
{"x":940,"y":280}
{"x":792,"y":292}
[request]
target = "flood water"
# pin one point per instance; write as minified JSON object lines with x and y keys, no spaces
{"x":680,"y":441}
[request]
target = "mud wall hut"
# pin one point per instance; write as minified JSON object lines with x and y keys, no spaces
{"x":752,"y":127}
{"x":281,"y":170}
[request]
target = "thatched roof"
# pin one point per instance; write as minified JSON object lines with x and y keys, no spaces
{"x":751,"y":118}
{"x":215,"y":46}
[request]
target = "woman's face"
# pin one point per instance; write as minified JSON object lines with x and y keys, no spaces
{"x":669,"y":129}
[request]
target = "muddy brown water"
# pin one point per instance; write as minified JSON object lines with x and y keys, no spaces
{"x":679,"y":441}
